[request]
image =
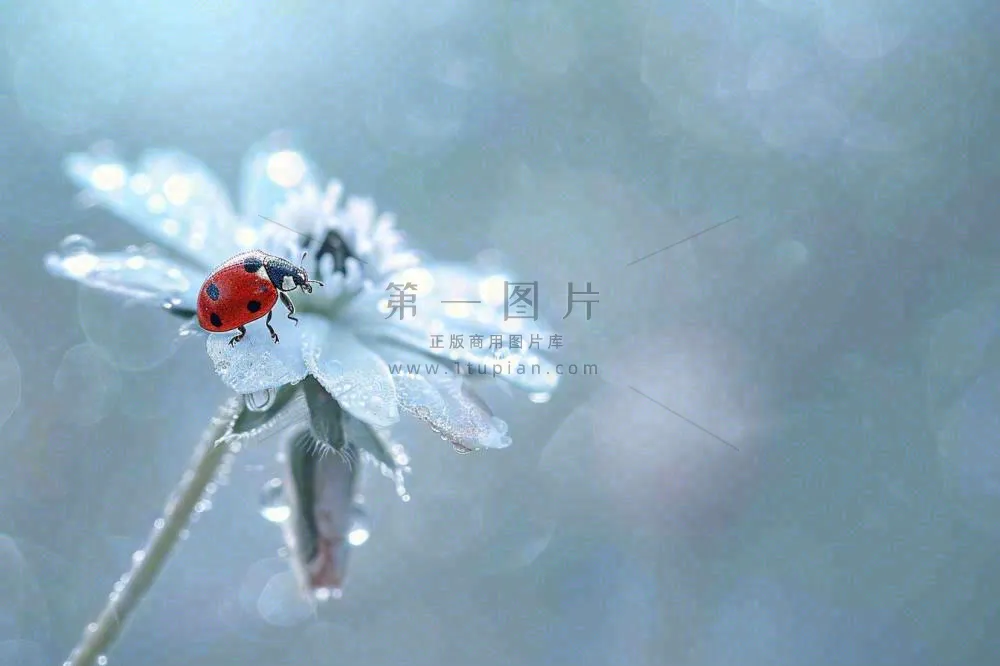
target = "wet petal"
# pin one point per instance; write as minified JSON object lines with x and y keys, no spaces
{"x":352,"y":373}
{"x":319,"y":488}
{"x":256,"y":363}
{"x":273,"y":169}
{"x":131,"y":274}
{"x":171,"y":197}
{"x":446,"y":402}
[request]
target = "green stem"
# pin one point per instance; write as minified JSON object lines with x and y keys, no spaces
{"x":208,"y":457}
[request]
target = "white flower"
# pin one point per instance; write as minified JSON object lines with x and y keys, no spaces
{"x":357,"y":368}
{"x":344,"y":338}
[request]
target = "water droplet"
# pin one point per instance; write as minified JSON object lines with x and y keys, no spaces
{"x":260,"y":401}
{"x":76,"y":244}
{"x":202,"y":506}
{"x":102,"y":660}
{"x":92,"y":627}
{"x":326,"y":593}
{"x":159,"y":524}
{"x":273,"y":505}
{"x":360,"y":528}
{"x":540,"y":398}
{"x":138,"y":556}
{"x":184,"y":534}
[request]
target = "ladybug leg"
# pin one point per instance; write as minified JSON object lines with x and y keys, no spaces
{"x":288,"y":304}
{"x":274,"y":335}
{"x":239,"y":336}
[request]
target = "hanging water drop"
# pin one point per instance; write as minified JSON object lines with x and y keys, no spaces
{"x":539,"y":398}
{"x":360,"y":528}
{"x":324,"y":594}
{"x":260,"y":401}
{"x":273,"y":505}
{"x":102,"y":660}
{"x":76,"y":244}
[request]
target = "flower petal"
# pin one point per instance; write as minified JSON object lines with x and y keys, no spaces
{"x":320,"y":492}
{"x":273,"y":169}
{"x":131,"y":274}
{"x":256,"y":363}
{"x":445,"y":402}
{"x":352,"y":373}
{"x":171,"y":197}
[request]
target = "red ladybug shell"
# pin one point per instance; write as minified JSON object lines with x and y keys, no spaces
{"x":237,"y":293}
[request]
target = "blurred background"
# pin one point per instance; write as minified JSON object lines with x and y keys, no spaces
{"x":842,"y":333}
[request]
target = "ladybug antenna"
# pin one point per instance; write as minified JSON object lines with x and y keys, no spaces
{"x":285,"y":226}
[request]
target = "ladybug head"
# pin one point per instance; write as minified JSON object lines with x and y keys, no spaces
{"x":300,"y":278}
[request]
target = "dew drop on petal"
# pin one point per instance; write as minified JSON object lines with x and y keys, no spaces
{"x":273,"y":503}
{"x":76,"y":244}
{"x":260,"y":401}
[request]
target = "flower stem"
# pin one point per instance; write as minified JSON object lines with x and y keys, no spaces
{"x":208,"y":457}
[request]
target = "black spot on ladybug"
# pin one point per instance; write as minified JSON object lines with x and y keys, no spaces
{"x":215,"y":319}
{"x":253,"y":306}
{"x":252,"y":264}
{"x":213,"y":291}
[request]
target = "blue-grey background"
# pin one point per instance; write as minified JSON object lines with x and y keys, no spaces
{"x":842,"y":333}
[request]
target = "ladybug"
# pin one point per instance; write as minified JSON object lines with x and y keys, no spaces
{"x":246,"y":288}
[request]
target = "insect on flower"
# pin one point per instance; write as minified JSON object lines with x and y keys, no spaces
{"x":344,"y":375}
{"x":246,"y":288}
